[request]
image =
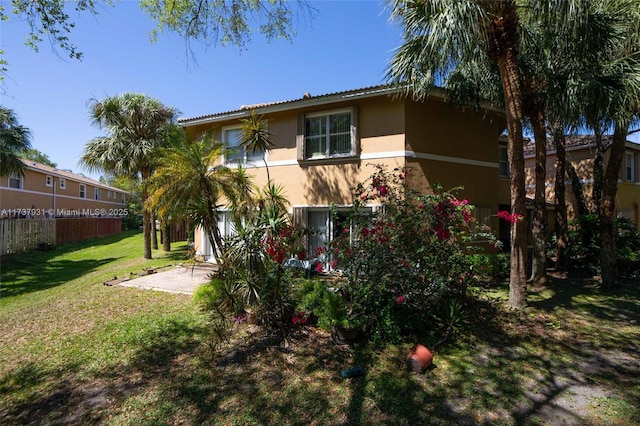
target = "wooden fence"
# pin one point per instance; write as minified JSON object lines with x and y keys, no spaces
{"x":23,"y":235}
{"x":179,"y":231}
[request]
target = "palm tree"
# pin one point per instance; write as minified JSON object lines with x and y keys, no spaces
{"x":137,"y":126}
{"x":14,"y":139}
{"x":189,"y":181}
{"x":439,"y":35}
{"x":256,"y":138}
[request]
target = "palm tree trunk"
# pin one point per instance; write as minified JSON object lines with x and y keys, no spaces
{"x":608,"y":264}
{"x":539,"y":220}
{"x":578,"y":190}
{"x":166,"y":235}
{"x":146,"y":217}
{"x":598,"y":173}
{"x":562,"y":236}
{"x":509,"y":74}
{"x":154,"y":232}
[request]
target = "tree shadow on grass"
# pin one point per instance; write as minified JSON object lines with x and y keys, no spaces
{"x":587,"y":295}
{"x":44,"y":275}
{"x":507,"y":368}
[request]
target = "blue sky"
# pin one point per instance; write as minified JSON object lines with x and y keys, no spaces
{"x":346,"y":46}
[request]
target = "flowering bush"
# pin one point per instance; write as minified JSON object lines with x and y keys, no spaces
{"x":403,"y":257}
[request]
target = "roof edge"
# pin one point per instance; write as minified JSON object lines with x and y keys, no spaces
{"x":305,"y":102}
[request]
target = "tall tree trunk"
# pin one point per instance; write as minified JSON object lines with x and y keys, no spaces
{"x":146,"y":216}
{"x":539,"y":220}
{"x":562,"y":230}
{"x":598,"y":173}
{"x":577,"y":188}
{"x":166,"y":235}
{"x":608,"y":264}
{"x":509,"y":74}
{"x":154,"y":232}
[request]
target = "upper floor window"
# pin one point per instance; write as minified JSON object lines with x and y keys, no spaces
{"x":329,"y":134}
{"x":96,"y":193}
{"x":63,"y":184}
{"x":83,"y":191}
{"x":15,"y":182}
{"x":122,"y":199}
{"x":631,"y":169}
{"x":503,"y":160}
{"x":49,"y":180}
{"x":234,"y":153}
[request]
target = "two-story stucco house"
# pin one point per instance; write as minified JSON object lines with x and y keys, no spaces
{"x":581,"y":152}
{"x":46,"y":191}
{"x":327,"y":144}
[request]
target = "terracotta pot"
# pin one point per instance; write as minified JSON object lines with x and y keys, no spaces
{"x":419,"y":358}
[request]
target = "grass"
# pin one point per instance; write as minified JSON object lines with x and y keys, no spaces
{"x":76,"y":351}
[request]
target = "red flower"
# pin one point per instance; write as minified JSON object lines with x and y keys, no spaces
{"x":382,"y":191}
{"x":513,"y":218}
{"x":443,"y":233}
{"x":319,"y":268}
{"x":400,"y":300}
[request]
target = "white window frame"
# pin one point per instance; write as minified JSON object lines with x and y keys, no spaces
{"x":82,"y":193}
{"x":63,"y":183}
{"x":123,"y":198}
{"x":16,"y":178}
{"x":48,"y":180}
{"x":96,"y":193}
{"x":327,"y":136}
{"x":631,"y":171}
{"x":248,"y":158}
{"x":503,"y":163}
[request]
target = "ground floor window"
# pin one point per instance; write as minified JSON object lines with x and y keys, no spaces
{"x":226,"y":227}
{"x":324,"y":225}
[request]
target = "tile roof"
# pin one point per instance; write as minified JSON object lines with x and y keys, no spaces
{"x":67,"y":174}
{"x":370,"y":91}
{"x":309,"y":100}
{"x":572,"y":142}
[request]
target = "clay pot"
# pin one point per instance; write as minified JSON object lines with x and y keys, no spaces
{"x":419,"y":358}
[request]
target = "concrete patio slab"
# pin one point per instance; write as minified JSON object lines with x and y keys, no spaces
{"x":180,"y":279}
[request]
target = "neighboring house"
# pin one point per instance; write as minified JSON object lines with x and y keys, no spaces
{"x":327,"y":144}
{"x":46,"y":191}
{"x":581,"y":152}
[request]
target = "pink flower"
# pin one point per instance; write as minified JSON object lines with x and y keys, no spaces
{"x":319,"y":268}
{"x":400,"y":300}
{"x":513,"y":218}
{"x":382,"y":191}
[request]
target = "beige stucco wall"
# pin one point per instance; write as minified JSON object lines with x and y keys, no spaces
{"x":462,"y":150}
{"x":387,"y":128}
{"x":627,"y":197}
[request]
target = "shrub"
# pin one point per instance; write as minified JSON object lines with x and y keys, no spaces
{"x":584,"y":249}
{"x":490,"y":266}
{"x":404,"y":258}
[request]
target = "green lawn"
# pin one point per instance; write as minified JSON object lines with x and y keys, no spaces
{"x":76,"y":351}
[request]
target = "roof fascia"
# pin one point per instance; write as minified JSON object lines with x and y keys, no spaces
{"x":317,"y":101}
